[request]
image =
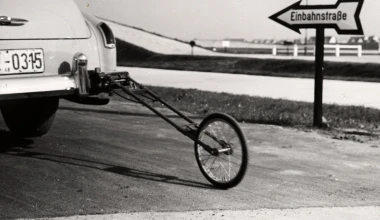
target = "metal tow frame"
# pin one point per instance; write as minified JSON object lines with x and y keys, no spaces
{"x":122,"y":80}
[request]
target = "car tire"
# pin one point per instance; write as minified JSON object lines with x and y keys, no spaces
{"x":31,"y":119}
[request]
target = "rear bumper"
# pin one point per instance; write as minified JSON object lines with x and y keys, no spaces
{"x":76,"y":86}
{"x":36,"y":87}
{"x":14,"y":97}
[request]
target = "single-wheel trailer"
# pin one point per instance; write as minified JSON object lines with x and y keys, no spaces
{"x":220,"y":145}
{"x":35,"y":73}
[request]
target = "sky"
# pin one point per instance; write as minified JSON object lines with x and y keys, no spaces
{"x":214,"y":19}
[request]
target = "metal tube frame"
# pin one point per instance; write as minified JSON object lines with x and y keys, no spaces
{"x":123,"y":77}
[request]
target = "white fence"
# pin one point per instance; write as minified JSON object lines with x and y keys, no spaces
{"x":337,"y":48}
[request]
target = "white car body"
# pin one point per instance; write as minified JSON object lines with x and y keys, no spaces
{"x":47,"y":49}
{"x":60,"y":30}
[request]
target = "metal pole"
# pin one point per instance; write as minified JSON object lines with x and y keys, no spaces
{"x":318,"y":89}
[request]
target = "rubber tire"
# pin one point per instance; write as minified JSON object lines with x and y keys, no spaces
{"x":245,"y":158}
{"x":33,"y":118}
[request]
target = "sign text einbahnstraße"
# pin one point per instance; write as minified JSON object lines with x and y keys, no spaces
{"x":319,"y":16}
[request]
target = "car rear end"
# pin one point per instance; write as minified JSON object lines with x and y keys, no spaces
{"x":40,"y":42}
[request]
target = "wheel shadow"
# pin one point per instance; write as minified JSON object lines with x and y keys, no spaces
{"x":19,"y":147}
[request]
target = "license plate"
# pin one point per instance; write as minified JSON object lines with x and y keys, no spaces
{"x":21,"y":61}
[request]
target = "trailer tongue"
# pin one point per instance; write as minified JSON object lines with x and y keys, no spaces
{"x":220,"y":145}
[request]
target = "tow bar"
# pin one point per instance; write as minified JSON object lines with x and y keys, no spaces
{"x":220,"y":145}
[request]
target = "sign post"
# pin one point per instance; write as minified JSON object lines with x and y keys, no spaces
{"x":318,"y":87}
{"x":343,"y":17}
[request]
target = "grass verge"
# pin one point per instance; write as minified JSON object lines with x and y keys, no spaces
{"x":134,"y":56}
{"x":268,"y":111}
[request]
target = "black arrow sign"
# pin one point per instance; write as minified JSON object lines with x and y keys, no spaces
{"x":343,"y":17}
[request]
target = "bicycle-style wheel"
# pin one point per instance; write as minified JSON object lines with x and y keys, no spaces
{"x":226,"y":168}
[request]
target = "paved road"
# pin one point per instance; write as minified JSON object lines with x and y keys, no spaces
{"x":120,"y":158}
{"x":338,"y":92}
{"x":338,"y":213}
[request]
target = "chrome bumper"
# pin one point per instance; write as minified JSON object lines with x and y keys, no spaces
{"x":75,"y":85}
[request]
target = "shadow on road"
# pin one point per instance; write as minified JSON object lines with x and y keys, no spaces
{"x":108,"y":112}
{"x":19,"y":148}
{"x":9,"y":141}
{"x":152,"y":115}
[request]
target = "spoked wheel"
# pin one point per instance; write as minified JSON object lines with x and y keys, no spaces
{"x":226,"y":166}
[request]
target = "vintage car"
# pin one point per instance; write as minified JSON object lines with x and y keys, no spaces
{"x":47,"y":49}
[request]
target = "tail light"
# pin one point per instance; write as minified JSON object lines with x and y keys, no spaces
{"x":108,"y":37}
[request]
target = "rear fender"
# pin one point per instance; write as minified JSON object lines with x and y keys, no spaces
{"x":107,"y":55}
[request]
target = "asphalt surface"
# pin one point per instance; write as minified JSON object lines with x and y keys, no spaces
{"x":338,"y":213}
{"x":120,"y":158}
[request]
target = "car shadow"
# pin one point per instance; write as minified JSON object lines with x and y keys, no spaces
{"x":19,"y":147}
{"x":10,"y":141}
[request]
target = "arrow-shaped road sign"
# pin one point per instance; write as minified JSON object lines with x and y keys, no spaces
{"x":343,"y":17}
